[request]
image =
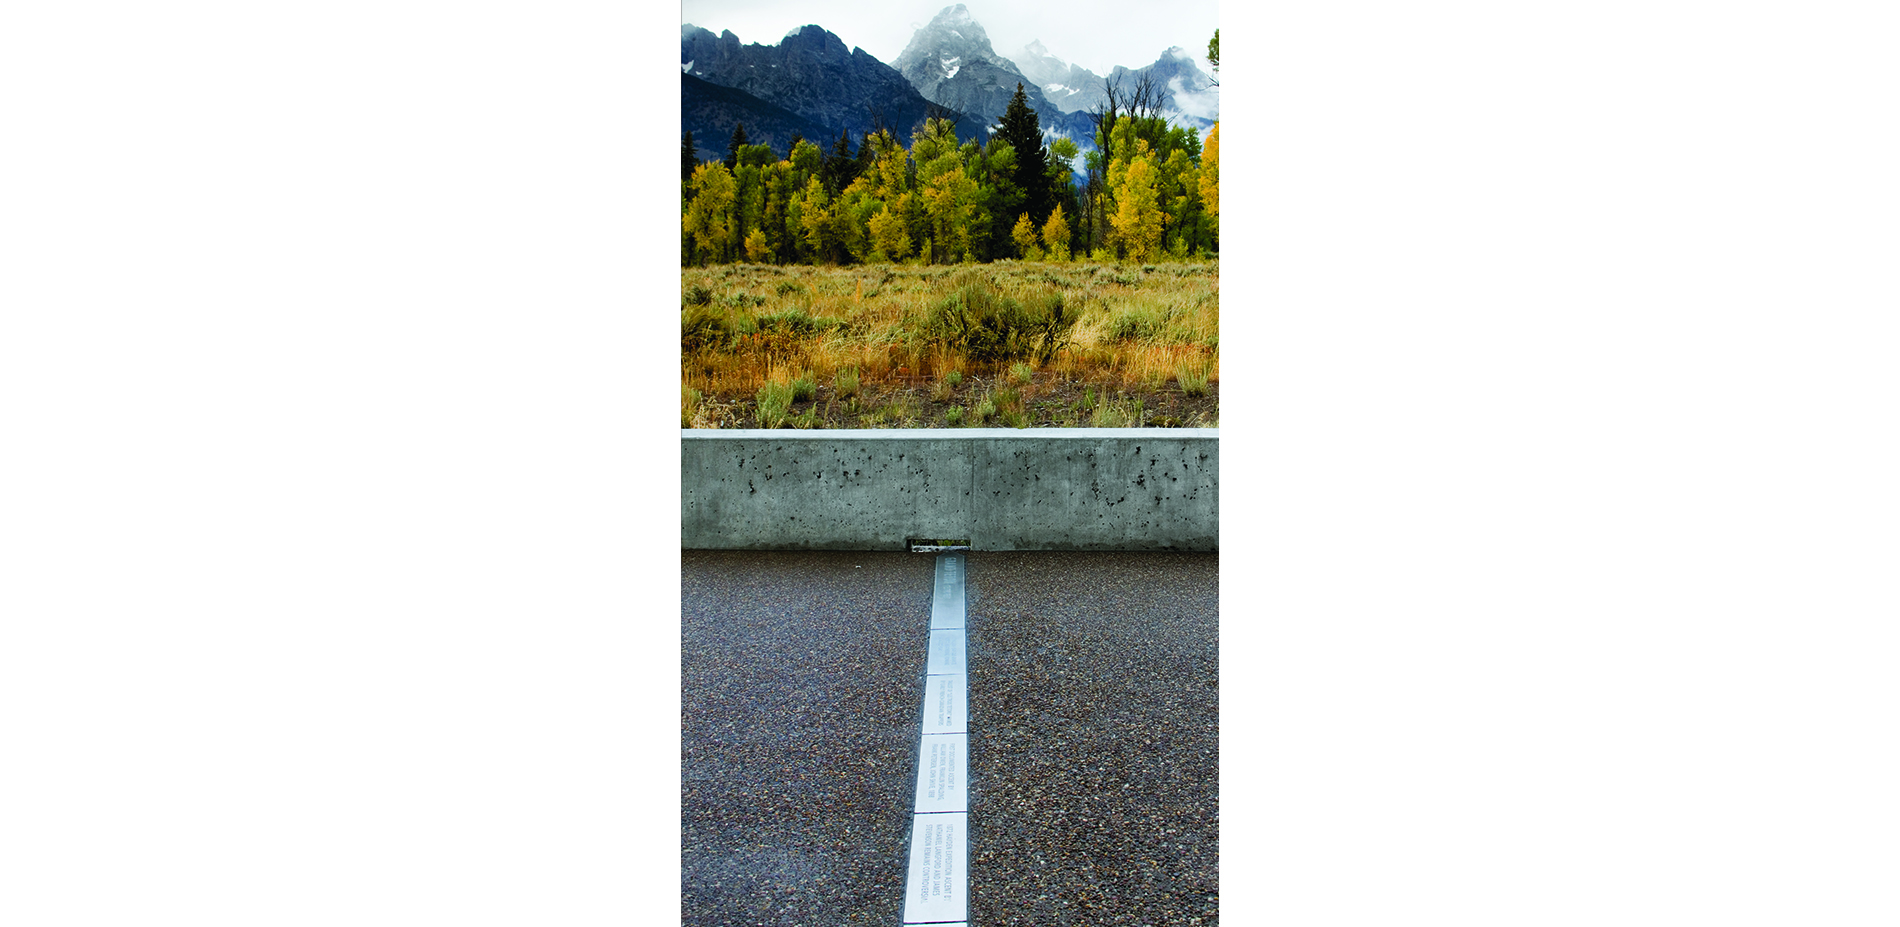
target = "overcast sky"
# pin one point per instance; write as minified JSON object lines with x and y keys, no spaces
{"x":1097,"y":35}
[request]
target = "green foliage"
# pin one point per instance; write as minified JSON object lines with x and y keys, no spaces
{"x":696,"y":295}
{"x":1021,"y":129}
{"x":775,"y":403}
{"x":795,"y":321}
{"x":950,"y":201}
{"x":689,"y":405}
{"x":1008,"y":403}
{"x":990,"y":327}
{"x":946,"y":385}
{"x":1022,"y":373}
{"x":953,"y":416}
{"x":1125,"y":413}
{"x":804,"y":388}
{"x":1152,"y":323}
{"x":985,"y":410}
{"x":901,"y":413}
{"x":1193,"y":380}
{"x":846,"y":382}
{"x":701,"y":327}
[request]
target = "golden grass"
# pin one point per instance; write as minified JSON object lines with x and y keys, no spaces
{"x":1138,"y":324}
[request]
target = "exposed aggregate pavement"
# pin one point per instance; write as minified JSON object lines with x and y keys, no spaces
{"x":1094,"y":726}
{"x":1094,"y":738}
{"x":799,"y":709}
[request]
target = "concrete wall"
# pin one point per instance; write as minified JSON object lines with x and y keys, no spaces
{"x":1001,"y":488}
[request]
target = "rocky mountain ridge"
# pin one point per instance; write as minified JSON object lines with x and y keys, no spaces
{"x":810,"y":72}
{"x":1071,"y":88}
{"x":951,"y":62}
{"x":811,"y":78}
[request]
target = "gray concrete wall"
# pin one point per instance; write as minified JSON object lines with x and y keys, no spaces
{"x":1001,"y":488}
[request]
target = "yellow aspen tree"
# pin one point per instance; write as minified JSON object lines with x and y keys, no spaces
{"x":816,"y":220}
{"x":888,"y":230}
{"x":1210,"y":177}
{"x":756,"y":249}
{"x":1138,"y":218}
{"x":1024,"y":234}
{"x":890,"y":170}
{"x":1055,"y":235}
{"x":948,"y":203}
{"x":706,"y":213}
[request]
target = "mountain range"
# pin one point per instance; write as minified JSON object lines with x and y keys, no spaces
{"x":812,"y":84}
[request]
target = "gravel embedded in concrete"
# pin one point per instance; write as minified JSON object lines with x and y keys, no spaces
{"x":800,"y":697}
{"x":1094,"y":738}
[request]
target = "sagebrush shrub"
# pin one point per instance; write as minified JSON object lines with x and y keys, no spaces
{"x":989,"y":326}
{"x":701,"y":327}
{"x":775,"y":402}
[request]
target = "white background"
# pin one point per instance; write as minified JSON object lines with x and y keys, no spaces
{"x":336,"y":529}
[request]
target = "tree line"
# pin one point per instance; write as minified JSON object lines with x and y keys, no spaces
{"x":1146,"y":192}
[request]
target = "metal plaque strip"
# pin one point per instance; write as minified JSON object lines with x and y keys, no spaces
{"x":942,"y":768}
{"x":946,"y":653}
{"x":936,"y":889}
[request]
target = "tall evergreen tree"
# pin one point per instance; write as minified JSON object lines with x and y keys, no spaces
{"x":738,"y":142}
{"x":867,"y":156}
{"x":689,"y":157}
{"x":840,"y":168}
{"x":1023,"y":131}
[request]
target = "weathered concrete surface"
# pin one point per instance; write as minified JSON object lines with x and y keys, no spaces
{"x":1001,"y":488}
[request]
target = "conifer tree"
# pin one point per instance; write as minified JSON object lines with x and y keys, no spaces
{"x":1020,"y":128}
{"x":840,"y":168}
{"x":689,"y":157}
{"x":732,"y":149}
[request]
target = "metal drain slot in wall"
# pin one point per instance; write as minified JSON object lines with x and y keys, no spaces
{"x":935,"y":545}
